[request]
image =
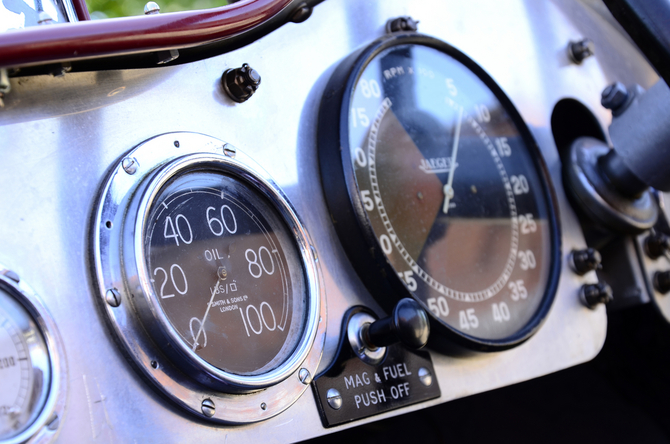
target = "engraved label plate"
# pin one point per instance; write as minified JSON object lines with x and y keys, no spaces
{"x":403,"y":378}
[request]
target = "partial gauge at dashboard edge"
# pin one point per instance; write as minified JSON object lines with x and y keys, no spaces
{"x":175,"y":181}
{"x":352,"y":221}
{"x":39,"y":362}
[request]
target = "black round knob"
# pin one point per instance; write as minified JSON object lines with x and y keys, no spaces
{"x":407,"y":324}
{"x":240,"y":83}
{"x":656,"y":245}
{"x":662,"y":281}
{"x":583,"y":261}
{"x":593,"y":294}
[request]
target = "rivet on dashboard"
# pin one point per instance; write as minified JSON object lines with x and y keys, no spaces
{"x":10,"y":275}
{"x":334,"y":399}
{"x":425,"y":376}
{"x":176,"y":143}
{"x":593,"y":294}
{"x":154,"y":365}
{"x":113,"y":297}
{"x":304,"y":376}
{"x":208,"y":408}
{"x":229,"y":150}
{"x":129,"y":165}
{"x":264,"y":406}
{"x":581,"y":50}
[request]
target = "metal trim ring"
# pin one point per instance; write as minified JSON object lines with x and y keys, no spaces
{"x":44,"y":427}
{"x":202,"y":389}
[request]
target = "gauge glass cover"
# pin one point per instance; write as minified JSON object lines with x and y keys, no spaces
{"x":447,"y":186}
{"x":225,"y":272}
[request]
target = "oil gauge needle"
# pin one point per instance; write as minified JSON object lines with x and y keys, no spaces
{"x":448,"y":189}
{"x":204,"y":318}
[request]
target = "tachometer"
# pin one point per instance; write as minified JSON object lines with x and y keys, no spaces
{"x":437,"y":190}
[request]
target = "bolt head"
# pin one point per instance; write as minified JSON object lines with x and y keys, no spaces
{"x":425,"y":376}
{"x":662,"y":281}
{"x":334,"y":399}
{"x":152,"y":8}
{"x":614,"y":96}
{"x":208,"y":408}
{"x":592,"y":295}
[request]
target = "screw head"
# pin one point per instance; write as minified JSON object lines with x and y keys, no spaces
{"x":44,"y":18}
{"x":304,"y":376}
{"x":264,"y":406}
{"x":425,"y":376}
{"x":152,"y":8}
{"x":334,"y":399}
{"x":578,"y":51}
{"x":129,"y":165}
{"x":614,"y":96}
{"x":229,"y":150}
{"x":113,"y":297}
{"x":10,"y":275}
{"x":662,"y":281}
{"x":208,"y":408}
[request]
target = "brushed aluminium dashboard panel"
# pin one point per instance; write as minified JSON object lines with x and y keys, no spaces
{"x":60,"y":135}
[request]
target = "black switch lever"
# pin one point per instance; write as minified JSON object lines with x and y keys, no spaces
{"x":407,"y":324}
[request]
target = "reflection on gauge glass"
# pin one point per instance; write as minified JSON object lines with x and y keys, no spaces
{"x":25,"y":370}
{"x":225,"y":272}
{"x":449,"y":190}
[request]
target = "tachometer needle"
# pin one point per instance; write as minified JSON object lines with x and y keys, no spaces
{"x":448,"y":189}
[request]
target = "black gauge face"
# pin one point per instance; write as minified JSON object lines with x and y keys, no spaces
{"x":446,"y":187}
{"x":226,"y":272}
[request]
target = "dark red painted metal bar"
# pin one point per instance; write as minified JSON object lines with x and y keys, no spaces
{"x":81,"y":9}
{"x":91,"y":39}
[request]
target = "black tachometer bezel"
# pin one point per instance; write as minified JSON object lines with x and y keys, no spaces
{"x":351,"y":221}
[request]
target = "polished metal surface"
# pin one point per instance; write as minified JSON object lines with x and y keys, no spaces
{"x":61,"y":135}
{"x":118,"y":241}
{"x":355,"y":336}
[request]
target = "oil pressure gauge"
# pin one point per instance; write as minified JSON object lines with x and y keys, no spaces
{"x":209,"y":278}
{"x":438,"y":191}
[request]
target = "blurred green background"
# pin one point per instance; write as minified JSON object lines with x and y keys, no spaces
{"x":122,"y":8}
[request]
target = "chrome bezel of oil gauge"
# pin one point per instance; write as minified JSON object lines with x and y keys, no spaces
{"x":128,"y":298}
{"x":47,"y":358}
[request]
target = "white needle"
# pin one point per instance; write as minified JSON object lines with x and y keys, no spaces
{"x":202,"y":323}
{"x":448,"y":190}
